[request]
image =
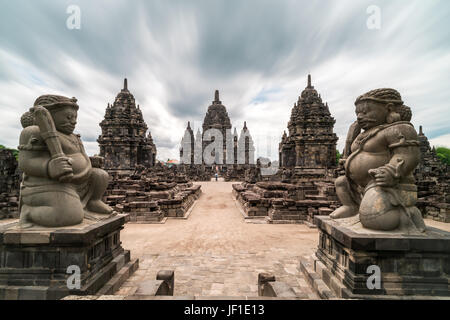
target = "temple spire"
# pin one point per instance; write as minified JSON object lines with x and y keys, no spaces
{"x":245,"y":125}
{"x":420,"y":131}
{"x":216,"y":96}
{"x":189,"y":125}
{"x":125,"y":84}
{"x":309,"y":81}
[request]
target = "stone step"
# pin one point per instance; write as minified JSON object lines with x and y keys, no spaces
{"x":119,"y":278}
{"x":306,"y":266}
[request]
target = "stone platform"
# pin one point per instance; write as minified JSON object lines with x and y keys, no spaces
{"x":285,"y":203}
{"x":152,"y":202}
{"x":412,"y":266}
{"x":34,"y":262}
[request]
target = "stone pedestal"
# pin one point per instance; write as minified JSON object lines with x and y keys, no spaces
{"x":412,"y":266}
{"x":34,"y":262}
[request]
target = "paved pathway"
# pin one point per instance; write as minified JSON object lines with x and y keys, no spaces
{"x":215,"y":253}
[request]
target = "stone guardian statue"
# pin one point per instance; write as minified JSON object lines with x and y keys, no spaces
{"x":59,"y":187}
{"x":379,"y":163}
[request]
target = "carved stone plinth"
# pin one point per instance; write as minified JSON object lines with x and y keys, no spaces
{"x":34,"y":262}
{"x":412,"y":266}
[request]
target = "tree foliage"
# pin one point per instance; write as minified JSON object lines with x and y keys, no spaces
{"x":338,"y":156}
{"x":443,"y":154}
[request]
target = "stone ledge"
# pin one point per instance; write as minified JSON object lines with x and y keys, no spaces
{"x":410,"y":265}
{"x":435,"y":240}
{"x":78,"y":235}
{"x":327,"y":286}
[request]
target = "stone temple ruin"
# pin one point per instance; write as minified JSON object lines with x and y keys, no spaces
{"x":123,"y":143}
{"x":231,"y":157}
{"x":433,"y":183}
{"x":153,"y":194}
{"x":303,"y":186}
{"x":149,"y":192}
{"x":9,"y":184}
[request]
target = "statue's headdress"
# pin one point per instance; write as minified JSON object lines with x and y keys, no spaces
{"x":51,"y":102}
{"x":398,"y":111}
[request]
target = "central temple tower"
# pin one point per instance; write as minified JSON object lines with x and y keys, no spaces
{"x":217,"y":118}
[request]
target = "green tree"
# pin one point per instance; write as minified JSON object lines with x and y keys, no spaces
{"x":443,"y":154}
{"x":338,"y":156}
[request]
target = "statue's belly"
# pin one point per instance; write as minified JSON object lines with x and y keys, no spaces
{"x":360,"y":164}
{"x":81,"y":166}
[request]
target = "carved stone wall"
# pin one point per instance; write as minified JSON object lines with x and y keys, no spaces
{"x":9,"y":184}
{"x":432,"y":178}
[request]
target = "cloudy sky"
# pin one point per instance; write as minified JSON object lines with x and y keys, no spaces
{"x":256,"y":52}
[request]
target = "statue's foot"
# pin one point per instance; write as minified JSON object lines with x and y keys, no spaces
{"x":24,"y":221}
{"x":25,"y":225}
{"x":98,"y":206}
{"x":344,"y":212}
{"x":416,"y":217}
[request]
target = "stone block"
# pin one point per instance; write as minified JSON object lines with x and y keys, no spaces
{"x":411,"y":265}
{"x":39,"y":269}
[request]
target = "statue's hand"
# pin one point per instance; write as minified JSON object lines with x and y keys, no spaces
{"x":383,"y":177}
{"x":59,"y":168}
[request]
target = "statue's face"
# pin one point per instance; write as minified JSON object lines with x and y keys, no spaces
{"x":65,"y":119}
{"x":370,"y":114}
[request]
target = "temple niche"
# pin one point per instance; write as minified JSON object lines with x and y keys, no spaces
{"x":236,"y":153}
{"x":124,"y":142}
{"x":310,"y":146}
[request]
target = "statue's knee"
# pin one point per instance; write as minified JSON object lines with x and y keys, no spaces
{"x":71,"y":212}
{"x":99,"y":175}
{"x":341,"y":182}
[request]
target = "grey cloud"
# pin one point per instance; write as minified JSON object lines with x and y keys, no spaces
{"x":178,"y":52}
